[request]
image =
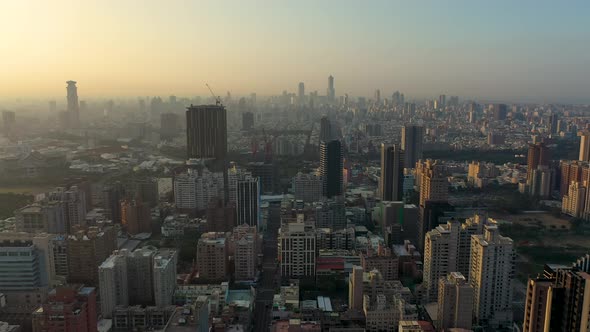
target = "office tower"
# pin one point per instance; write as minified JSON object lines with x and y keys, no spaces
{"x":193,"y":190}
{"x":491,"y":274}
{"x":331,"y":165}
{"x":325,"y":130}
{"x":412,"y":138}
{"x":23,"y":265}
{"x":330,"y":213}
{"x":584,"y":145}
{"x":447,"y":249}
{"x":301,"y":92}
{"x":245,"y":240}
{"x":297,"y":249}
{"x":331,"y":92}
{"x":378,"y":97}
{"x":398,"y":222}
{"x":495,"y":139}
{"x":113,"y":194}
{"x":164,"y":277}
{"x":392,"y":173}
{"x":247,"y":121}
{"x":135,"y":217}
{"x":169,"y":126}
{"x":68,"y":308}
{"x":248,"y":201}
{"x":442,"y":101}
{"x":206,"y":132}
{"x":538,"y":155}
{"x":307,"y":187}
{"x":499,"y":112}
{"x":8,"y":121}
{"x":86,"y":251}
{"x":113,"y":283}
{"x":73,"y":105}
{"x":455,"y":302}
{"x":212,"y":257}
{"x":553,"y":127}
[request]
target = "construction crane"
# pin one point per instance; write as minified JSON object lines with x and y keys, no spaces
{"x":217,"y":98}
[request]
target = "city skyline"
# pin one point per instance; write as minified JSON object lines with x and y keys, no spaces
{"x":468,"y":49}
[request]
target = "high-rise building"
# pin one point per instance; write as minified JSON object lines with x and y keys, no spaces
{"x":301,"y":93}
{"x":212,"y":257}
{"x":220,"y":217}
{"x":113,"y":194}
{"x":8,"y":121}
{"x":355,"y":288}
{"x":297,"y":249}
{"x":331,"y":166}
{"x":193,"y":190}
{"x":245,"y":240}
{"x":398,"y":221}
{"x":326,"y":131}
{"x":584,"y":145}
{"x":434,"y":185}
{"x":169,"y":126}
{"x":68,"y":308}
{"x":23,"y":265}
{"x":442,"y":101}
{"x":247,"y":121}
{"x":499,"y":112}
{"x":330,"y":213}
{"x":538,"y":155}
{"x":574,"y":202}
{"x":392,"y":173}
{"x":140,"y":274}
{"x":447,"y":249}
{"x":553,"y":120}
{"x":307,"y":187}
{"x":164,"y":271}
{"x":573,"y":171}
{"x":248,"y":201}
{"x":73,"y":105}
{"x":491,"y":275}
{"x":74,"y":203}
{"x":135,"y":217}
{"x":535,"y":309}
{"x":331,"y":91}
{"x":412,"y":141}
{"x":87,"y":249}
{"x":455,"y":303}
{"x":384,"y":261}
{"x":113,"y":283}
{"x":42,"y":217}
{"x":206,"y":132}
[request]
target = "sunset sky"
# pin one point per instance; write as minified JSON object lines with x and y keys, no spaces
{"x":510,"y":50}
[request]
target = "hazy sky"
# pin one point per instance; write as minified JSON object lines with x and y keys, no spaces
{"x":510,"y":50}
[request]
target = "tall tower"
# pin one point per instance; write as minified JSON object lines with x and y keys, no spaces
{"x":491,"y":275}
{"x":73,"y":105}
{"x":325,"y":129}
{"x":248,"y":201}
{"x":331,"y":164}
{"x":392,"y":173}
{"x":412,"y":139}
{"x":331,"y":91}
{"x":584,"y":145}
{"x":301,"y":92}
{"x":538,"y":155}
{"x":206,"y":132}
{"x":455,"y":302}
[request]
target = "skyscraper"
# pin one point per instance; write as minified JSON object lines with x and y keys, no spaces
{"x":301,"y":93}
{"x":206,"y":132}
{"x":325,"y":129}
{"x":491,"y":275}
{"x":73,"y":105}
{"x":412,"y":138}
{"x":297,"y":249}
{"x":331,"y":164}
{"x":248,"y":201}
{"x":584,"y":145}
{"x":331,"y":91}
{"x":392,"y":173}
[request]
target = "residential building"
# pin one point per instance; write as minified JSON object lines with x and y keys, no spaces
{"x":212,"y":257}
{"x":194,"y":189}
{"x":135,"y":217}
{"x":87,"y":249}
{"x":68,"y":308}
{"x":455,"y":302}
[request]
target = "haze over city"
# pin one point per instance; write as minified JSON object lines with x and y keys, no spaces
{"x":518,"y":51}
